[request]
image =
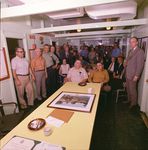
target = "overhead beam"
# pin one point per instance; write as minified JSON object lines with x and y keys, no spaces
{"x":124,"y":23}
{"x":49,"y":6}
{"x":93,"y":33}
{"x":99,"y":36}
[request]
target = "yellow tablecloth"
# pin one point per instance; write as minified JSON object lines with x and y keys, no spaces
{"x":74,"y":135}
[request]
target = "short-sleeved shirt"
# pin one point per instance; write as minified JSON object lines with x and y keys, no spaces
{"x":20,"y":65}
{"x":49,"y":59}
{"x":38,"y":63}
{"x":77,"y":75}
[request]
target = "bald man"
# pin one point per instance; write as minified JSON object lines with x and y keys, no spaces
{"x":77,"y":73}
{"x":38,"y":66}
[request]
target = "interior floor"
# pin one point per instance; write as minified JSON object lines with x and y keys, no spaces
{"x":116,"y":127}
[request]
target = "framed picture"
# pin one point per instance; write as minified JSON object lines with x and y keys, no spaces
{"x":73,"y":101}
{"x":4,"y":72}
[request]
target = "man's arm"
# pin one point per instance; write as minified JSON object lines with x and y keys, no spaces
{"x":90,"y":76}
{"x":18,"y":82}
{"x":14,"y":66}
{"x":106,"y":77}
{"x":85,"y":76}
{"x":56,"y":60}
{"x":140,"y":63}
{"x":31,"y":71}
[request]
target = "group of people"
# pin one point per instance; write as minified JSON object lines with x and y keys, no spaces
{"x":53,"y":66}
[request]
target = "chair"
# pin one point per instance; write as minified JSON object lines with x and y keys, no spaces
{"x":120,"y":93}
{"x":8,"y":122}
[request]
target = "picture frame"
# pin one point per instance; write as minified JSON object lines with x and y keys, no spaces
{"x":4,"y":72}
{"x":75,"y":101}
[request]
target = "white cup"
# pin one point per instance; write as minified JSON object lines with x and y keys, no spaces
{"x":47,"y":131}
{"x":90,"y":90}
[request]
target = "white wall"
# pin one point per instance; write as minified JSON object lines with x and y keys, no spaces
{"x":20,"y":29}
{"x":142,"y":31}
{"x":46,"y":40}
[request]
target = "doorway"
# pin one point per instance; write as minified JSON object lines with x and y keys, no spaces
{"x":12,"y":43}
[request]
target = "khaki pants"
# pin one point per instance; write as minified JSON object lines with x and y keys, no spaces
{"x":40,"y":79}
{"x":26,"y":85}
{"x":131,"y":87}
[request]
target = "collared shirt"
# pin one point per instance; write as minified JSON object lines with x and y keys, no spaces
{"x":111,"y":67}
{"x":77,"y":75}
{"x":84,"y":53}
{"x":38,"y":63}
{"x":134,"y":48}
{"x":20,"y":65}
{"x":99,"y":76}
{"x":49,"y":59}
{"x":116,"y":52}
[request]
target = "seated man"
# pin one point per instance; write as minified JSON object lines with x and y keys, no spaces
{"x":118,"y":75}
{"x":100,"y":75}
{"x":77,"y":73}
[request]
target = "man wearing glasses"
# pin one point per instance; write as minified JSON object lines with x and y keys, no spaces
{"x":21,"y":73}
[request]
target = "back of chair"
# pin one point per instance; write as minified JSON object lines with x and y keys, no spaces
{"x":7,"y":104}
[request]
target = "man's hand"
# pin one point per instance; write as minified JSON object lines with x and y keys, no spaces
{"x":135,"y":78}
{"x":33,"y":77}
{"x":18,"y":82}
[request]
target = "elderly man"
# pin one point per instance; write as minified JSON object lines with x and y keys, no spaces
{"x":134,"y":66}
{"x":77,"y":73}
{"x":21,"y":71}
{"x":39,"y":70}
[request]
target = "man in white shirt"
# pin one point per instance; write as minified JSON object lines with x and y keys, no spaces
{"x":21,"y":71}
{"x":77,"y":73}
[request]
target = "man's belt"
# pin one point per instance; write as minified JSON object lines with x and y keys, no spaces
{"x":22,"y":74}
{"x":39,"y":70}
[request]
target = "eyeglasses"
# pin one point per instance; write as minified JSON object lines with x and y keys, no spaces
{"x":20,"y":51}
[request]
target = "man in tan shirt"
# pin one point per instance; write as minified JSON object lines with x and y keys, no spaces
{"x":39,"y":70}
{"x":100,"y":75}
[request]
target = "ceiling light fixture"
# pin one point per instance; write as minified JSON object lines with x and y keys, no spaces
{"x":108,"y":28}
{"x":78,"y":30}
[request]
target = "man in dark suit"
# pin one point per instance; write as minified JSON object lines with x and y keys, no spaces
{"x":117,"y":80}
{"x":134,"y":66}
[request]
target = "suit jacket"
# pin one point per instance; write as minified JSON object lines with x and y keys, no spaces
{"x":135,"y":63}
{"x":118,"y":69}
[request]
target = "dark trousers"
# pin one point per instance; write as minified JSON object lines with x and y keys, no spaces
{"x":51,"y":81}
{"x":116,"y":84}
{"x":131,"y":87}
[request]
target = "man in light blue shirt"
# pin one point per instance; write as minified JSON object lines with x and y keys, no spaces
{"x":116,"y":51}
